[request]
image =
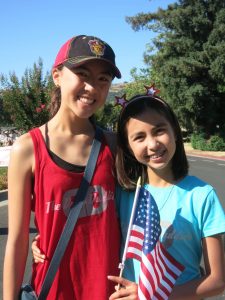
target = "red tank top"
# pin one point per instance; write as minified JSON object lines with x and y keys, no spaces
{"x":93,"y":250}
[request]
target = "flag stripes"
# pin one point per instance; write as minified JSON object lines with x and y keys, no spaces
{"x":159,"y":270}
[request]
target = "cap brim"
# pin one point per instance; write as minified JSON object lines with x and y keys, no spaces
{"x":72,"y":63}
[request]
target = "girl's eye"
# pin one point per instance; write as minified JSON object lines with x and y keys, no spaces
{"x":82,"y":74}
{"x":138,"y":138}
{"x":106,"y":78}
{"x":160,"y":130}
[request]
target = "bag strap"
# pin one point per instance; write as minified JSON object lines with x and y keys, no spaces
{"x":73,"y":216}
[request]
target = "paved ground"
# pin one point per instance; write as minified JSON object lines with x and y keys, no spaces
{"x":209,"y":154}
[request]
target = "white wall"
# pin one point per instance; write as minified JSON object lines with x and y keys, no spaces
{"x":4,"y":156}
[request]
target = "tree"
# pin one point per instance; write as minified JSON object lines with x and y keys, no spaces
{"x":107,"y":116}
{"x":189,"y":60}
{"x":26,"y":101}
{"x":140,"y":79}
{"x":5,"y":119}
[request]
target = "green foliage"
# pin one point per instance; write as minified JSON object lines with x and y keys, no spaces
{"x":189,"y":59}
{"x":107,"y":116}
{"x":140,"y":80}
{"x":3,"y":178}
{"x":26,"y":101}
{"x":214,"y":143}
{"x":5,"y":119}
{"x":198,"y":141}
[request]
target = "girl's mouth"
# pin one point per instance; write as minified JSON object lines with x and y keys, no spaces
{"x":86,"y":100}
{"x":157,"y":155}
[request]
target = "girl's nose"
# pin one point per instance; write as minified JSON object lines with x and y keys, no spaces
{"x":90,"y":85}
{"x":152,"y":143}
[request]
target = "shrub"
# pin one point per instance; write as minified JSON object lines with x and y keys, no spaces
{"x":215,"y":143}
{"x":3,"y":179}
{"x":198,"y":141}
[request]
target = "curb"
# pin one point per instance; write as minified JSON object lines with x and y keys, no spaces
{"x":206,"y":156}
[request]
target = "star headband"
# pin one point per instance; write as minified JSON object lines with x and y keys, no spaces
{"x":122,"y":101}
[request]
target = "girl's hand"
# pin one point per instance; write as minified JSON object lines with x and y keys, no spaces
{"x":128,"y":291}
{"x":37,"y":255}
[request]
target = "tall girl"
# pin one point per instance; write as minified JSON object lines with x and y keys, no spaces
{"x":192,"y":219}
{"x":45,"y":170}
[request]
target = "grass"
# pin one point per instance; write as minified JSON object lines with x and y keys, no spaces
{"x":3,"y":178}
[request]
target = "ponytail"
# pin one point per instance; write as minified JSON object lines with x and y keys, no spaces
{"x":55,"y":101}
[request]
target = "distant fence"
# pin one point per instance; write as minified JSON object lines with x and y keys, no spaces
{"x":4,"y":156}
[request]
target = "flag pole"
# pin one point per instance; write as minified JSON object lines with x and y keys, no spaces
{"x":121,"y":265}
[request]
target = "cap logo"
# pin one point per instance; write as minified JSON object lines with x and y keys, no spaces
{"x":97,"y":47}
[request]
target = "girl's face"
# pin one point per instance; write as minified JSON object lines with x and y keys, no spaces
{"x":152,"y":141}
{"x":83,"y":89}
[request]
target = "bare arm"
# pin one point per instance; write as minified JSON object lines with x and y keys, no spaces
{"x":213,"y":283}
{"x":19,"y":207}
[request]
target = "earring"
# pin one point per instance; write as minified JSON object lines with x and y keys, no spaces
{"x":57,"y":85}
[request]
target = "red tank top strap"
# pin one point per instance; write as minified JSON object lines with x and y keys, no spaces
{"x":39,"y":145}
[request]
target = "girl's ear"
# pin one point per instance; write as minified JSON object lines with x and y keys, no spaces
{"x":56,"y":76}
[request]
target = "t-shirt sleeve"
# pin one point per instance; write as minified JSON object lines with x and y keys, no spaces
{"x":213,"y":216}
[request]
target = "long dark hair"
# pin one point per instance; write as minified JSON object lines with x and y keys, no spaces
{"x":127,"y":167}
{"x":55,"y":103}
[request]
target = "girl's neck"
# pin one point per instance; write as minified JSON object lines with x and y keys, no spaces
{"x":160,"y":178}
{"x":73,"y":125}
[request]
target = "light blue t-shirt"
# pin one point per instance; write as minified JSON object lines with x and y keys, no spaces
{"x":189,"y":211}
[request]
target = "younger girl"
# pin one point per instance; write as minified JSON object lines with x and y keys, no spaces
{"x":45,"y":171}
{"x":192,"y":220}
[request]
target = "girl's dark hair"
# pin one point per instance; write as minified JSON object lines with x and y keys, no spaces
{"x":55,"y":101}
{"x":127,"y":167}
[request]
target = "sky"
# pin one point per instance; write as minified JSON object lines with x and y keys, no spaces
{"x":30,"y":29}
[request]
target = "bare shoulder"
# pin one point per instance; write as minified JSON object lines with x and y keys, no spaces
{"x":22,"y":149}
{"x":110,"y":137}
{"x":23,"y":145}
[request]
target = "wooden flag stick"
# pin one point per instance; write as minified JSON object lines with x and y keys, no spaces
{"x":121,"y":265}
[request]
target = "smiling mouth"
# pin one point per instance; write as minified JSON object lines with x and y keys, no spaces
{"x":86,"y":100}
{"x":157,"y":155}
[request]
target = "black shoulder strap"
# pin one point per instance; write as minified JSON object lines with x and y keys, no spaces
{"x":110,"y":138}
{"x":73,"y":216}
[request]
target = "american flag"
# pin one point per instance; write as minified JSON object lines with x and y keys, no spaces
{"x":159,"y":270}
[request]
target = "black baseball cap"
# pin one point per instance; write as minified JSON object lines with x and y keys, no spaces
{"x":81,"y":49}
